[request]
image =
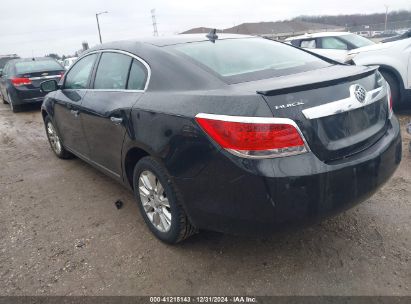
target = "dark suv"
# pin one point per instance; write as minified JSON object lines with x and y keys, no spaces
{"x":20,"y":80}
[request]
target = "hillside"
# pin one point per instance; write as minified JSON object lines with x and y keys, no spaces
{"x":357,"y":19}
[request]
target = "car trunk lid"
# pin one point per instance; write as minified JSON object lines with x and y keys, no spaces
{"x":324,"y":105}
{"x":37,"y":78}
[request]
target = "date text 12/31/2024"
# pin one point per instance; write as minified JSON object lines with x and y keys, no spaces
{"x":204,"y":299}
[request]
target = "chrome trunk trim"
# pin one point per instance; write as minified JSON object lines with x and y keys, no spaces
{"x":346,"y":104}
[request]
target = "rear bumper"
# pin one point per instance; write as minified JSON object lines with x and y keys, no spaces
{"x":26,"y":96}
{"x":406,"y":96}
{"x":237,"y":195}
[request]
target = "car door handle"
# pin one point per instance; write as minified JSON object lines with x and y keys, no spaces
{"x":116,"y":120}
{"x":74,"y":112}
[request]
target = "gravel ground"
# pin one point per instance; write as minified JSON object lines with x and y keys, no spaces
{"x":60,"y":234}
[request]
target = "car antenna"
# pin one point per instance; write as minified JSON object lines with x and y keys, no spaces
{"x":212,"y":36}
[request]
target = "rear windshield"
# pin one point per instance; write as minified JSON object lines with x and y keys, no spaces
{"x":247,"y":59}
{"x":27,"y":67}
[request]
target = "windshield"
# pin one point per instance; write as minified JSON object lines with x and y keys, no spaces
{"x":356,"y":40}
{"x":27,"y":67}
{"x":250,"y":58}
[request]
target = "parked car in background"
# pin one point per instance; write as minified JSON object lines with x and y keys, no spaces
{"x":5,"y":58}
{"x":234,"y":133}
{"x":20,"y":80}
{"x":393,"y":58}
{"x":334,"y":45}
{"x":405,"y":35}
{"x":68,"y":62}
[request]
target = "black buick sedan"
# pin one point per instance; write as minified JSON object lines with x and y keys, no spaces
{"x":21,"y":78}
{"x":233,"y":133}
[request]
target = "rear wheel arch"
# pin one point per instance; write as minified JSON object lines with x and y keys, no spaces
{"x":44,"y":114}
{"x":395,"y":75}
{"x":131,"y":158}
{"x":394,"y":72}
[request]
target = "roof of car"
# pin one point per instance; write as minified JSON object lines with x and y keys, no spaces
{"x":187,"y":38}
{"x":317,"y":35}
{"x":31,"y":59}
{"x":171,"y":40}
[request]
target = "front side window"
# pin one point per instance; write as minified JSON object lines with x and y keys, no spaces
{"x":356,"y":40}
{"x":112,"y":71}
{"x":333,"y":43}
{"x":138,"y":76}
{"x":78,"y":76}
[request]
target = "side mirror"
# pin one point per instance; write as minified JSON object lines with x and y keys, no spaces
{"x":1,"y":72}
{"x":49,"y":86}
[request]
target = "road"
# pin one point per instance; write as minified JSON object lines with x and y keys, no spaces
{"x":61,"y":234}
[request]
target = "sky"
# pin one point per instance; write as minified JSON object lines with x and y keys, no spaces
{"x":35,"y":28}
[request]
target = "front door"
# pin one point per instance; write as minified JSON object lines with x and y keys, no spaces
{"x":68,"y":105}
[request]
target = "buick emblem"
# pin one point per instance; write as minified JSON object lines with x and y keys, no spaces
{"x":360,"y":93}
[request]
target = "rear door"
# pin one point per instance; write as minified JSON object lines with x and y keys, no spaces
{"x":119,"y":81}
{"x":68,"y":102}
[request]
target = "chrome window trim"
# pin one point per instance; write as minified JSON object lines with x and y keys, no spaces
{"x":346,"y":104}
{"x":45,"y":77}
{"x":258,"y":120}
{"x":142,"y":61}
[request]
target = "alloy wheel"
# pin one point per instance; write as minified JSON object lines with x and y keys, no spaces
{"x":10,"y":103}
{"x":53,"y":138}
{"x":154,"y":200}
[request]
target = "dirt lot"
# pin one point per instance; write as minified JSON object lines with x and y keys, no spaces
{"x":60,"y":234}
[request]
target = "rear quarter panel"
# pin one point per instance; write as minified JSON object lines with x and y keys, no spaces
{"x":163,"y":124}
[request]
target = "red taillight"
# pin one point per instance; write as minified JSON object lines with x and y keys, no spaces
{"x":253,"y":136}
{"x":20,"y":81}
{"x":61,"y":74}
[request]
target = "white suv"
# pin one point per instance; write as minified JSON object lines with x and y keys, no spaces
{"x":394,"y":58}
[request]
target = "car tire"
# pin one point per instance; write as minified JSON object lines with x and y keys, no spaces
{"x":13,"y":107}
{"x":3,"y":99}
{"x":160,"y":203}
{"x":394,"y":87}
{"x":54,"y":140}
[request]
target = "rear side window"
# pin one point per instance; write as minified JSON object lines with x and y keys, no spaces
{"x":112,"y":71}
{"x":333,"y":43}
{"x":78,"y":76}
{"x":3,"y":62}
{"x":138,"y":76}
{"x":7,"y":70}
{"x":295,"y":42}
{"x":309,"y":44}
{"x":33,"y":66}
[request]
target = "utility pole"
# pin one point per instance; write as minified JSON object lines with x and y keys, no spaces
{"x":386,"y":17}
{"x":98,"y":25}
{"x":153,"y":17}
